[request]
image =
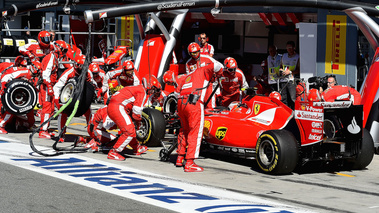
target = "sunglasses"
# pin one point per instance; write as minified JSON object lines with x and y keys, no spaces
{"x":203,"y":38}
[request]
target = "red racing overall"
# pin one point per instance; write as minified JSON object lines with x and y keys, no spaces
{"x":125,"y":106}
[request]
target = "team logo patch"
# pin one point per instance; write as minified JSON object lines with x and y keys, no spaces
{"x":257,"y":108}
{"x":221,"y":132}
{"x":188,"y":79}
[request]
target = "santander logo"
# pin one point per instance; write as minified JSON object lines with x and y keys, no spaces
{"x":353,"y":128}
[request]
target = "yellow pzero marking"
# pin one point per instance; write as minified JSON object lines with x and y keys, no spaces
{"x":346,"y":175}
{"x":81,"y":124}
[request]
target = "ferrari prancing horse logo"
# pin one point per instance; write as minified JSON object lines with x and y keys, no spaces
{"x":221,"y":132}
{"x":257,"y":107}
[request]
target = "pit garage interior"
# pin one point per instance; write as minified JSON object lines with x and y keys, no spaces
{"x":240,"y":32}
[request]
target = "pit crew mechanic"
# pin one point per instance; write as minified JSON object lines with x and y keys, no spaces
{"x":125,"y":106}
{"x":20,"y":70}
{"x":38,"y":51}
{"x":206,"y":48}
{"x":199,"y":60}
{"x":232,"y":81}
{"x":192,"y":114}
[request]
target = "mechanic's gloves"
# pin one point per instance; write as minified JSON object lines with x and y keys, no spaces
{"x":136,"y":117}
{"x":30,"y":55}
{"x":50,"y":90}
{"x":99,"y":92}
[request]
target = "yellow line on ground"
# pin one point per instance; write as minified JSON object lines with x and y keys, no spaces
{"x":345,"y":175}
{"x":81,"y":124}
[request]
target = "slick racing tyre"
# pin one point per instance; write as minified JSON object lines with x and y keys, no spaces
{"x":277,"y":152}
{"x":69,"y":90}
{"x":19,"y":97}
{"x":170,"y":105}
{"x":153,"y":127}
{"x":365,"y":154}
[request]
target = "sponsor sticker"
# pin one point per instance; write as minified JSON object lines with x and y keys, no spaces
{"x":257,"y":107}
{"x":312,"y":116}
{"x":103,"y":15}
{"x":221,"y":132}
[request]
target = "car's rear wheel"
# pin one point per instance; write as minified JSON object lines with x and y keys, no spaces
{"x":365,"y":154}
{"x":19,"y":97}
{"x":153,"y":127}
{"x":277,"y":152}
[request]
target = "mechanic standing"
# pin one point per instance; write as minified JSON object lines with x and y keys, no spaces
{"x":191,"y":112}
{"x":290,"y":67}
{"x":206,"y":48}
{"x":46,"y":92}
{"x":126,"y":106}
{"x":232,"y":81}
{"x":198,"y":60}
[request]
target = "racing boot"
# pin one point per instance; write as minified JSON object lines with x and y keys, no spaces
{"x":44,"y":134}
{"x":80,"y":141}
{"x":140,"y":150}
{"x":93,"y":145}
{"x":114,"y":155}
{"x":179,"y":161}
{"x":192,"y":167}
{"x":3,"y":131}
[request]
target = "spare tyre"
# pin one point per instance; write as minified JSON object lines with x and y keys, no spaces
{"x":19,"y":97}
{"x":70,"y":90}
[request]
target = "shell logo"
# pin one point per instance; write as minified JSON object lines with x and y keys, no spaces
{"x":206,"y":129}
{"x":103,"y":15}
{"x":302,"y":107}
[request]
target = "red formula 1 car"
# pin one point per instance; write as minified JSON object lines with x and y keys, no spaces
{"x":280,"y":139}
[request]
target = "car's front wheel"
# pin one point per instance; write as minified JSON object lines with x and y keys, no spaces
{"x":153,"y":127}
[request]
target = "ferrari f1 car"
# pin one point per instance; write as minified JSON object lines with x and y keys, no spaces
{"x":281,"y":139}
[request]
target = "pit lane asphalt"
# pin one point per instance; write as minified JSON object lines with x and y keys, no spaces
{"x":322,"y":189}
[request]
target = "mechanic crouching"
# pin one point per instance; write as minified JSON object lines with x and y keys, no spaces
{"x":125,"y":107}
{"x":192,"y":89}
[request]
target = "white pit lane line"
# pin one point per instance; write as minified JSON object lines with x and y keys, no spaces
{"x":153,"y":189}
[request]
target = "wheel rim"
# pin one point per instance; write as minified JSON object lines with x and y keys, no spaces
{"x":66,"y":93}
{"x":171,"y":105}
{"x":20,"y":97}
{"x":266,"y":153}
{"x":143,"y":130}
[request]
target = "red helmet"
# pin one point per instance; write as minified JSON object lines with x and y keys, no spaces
{"x":275,"y":95}
{"x":230,"y":64}
{"x":194,"y":50}
{"x":314,"y":95}
{"x":79,"y":61}
{"x":94,"y":67}
{"x":20,"y":61}
{"x":44,"y":38}
{"x":150,"y":82}
{"x":169,"y":77}
{"x":128,"y":68}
